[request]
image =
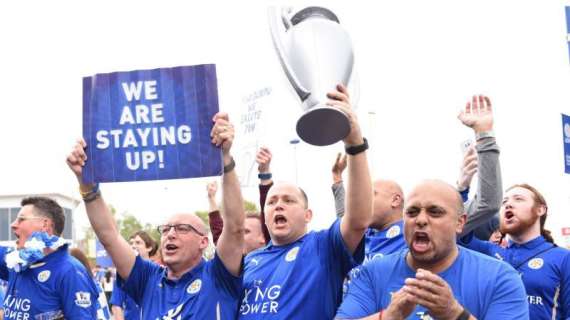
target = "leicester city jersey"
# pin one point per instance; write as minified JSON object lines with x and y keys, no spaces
{"x":208,"y":291}
{"x":544,"y":269}
{"x":300,"y":280}
{"x":119,"y":298}
{"x":488,"y":288}
{"x":55,"y":287}
{"x":379,"y":243}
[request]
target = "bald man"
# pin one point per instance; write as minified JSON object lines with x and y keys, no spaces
{"x":434,"y":278}
{"x":187,"y":287}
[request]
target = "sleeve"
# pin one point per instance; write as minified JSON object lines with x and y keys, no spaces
{"x":118,"y":296}
{"x":487,"y":201}
{"x":360,"y":300}
{"x":508,"y":300}
{"x":263,"y":190}
{"x":4,"y":273}
{"x":339,"y":255}
{"x":464,"y":195}
{"x":223,"y":279}
{"x":79,"y":295}
{"x":216,"y":224}
{"x":469,"y":241}
{"x":135,"y":285}
{"x":339,"y":194}
{"x":565,"y":288}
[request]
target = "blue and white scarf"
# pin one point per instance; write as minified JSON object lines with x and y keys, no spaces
{"x":33,"y":251}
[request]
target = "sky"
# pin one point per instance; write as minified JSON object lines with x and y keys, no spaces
{"x":417,"y":64}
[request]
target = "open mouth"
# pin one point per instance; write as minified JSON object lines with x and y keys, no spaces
{"x":279,"y":220}
{"x":170,"y":248}
{"x":421,"y":242}
{"x":509,"y":215}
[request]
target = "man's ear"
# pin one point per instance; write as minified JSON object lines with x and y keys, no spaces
{"x":308,"y":215}
{"x":460,"y":223}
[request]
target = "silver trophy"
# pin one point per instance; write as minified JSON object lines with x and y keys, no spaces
{"x":316,"y":55}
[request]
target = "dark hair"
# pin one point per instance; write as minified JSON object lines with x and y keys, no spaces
{"x":539,"y":201}
{"x":47,"y":208}
{"x":79,"y":255}
{"x":148,"y":241}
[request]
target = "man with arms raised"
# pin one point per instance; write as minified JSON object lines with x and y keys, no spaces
{"x":299,"y":274}
{"x":435,"y":277}
{"x":188,"y":287}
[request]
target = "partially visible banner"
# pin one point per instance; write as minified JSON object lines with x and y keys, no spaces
{"x":150,"y":124}
{"x":566,"y":138}
{"x":101,"y":257}
{"x":568,"y":28}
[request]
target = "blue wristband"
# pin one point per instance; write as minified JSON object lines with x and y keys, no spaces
{"x":264,"y":176}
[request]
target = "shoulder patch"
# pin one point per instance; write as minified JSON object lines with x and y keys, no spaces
{"x":83,"y":299}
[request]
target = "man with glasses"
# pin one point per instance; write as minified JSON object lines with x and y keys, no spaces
{"x":44,"y":281}
{"x":187,"y":286}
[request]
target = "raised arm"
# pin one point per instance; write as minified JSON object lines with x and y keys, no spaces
{"x":230,"y":244}
{"x":214,"y":218}
{"x":478,"y":115}
{"x":100,"y":216}
{"x":359,"y":188}
{"x":337,"y":186}
{"x":263,"y":158}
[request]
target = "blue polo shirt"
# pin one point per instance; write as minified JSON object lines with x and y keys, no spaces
{"x":208,"y":291}
{"x":379,"y":243}
{"x":488,"y":288}
{"x":131,"y":310}
{"x":56,"y":286}
{"x":544,"y":270}
{"x":300,"y":280}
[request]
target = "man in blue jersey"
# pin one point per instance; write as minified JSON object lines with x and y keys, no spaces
{"x":44,"y":281}
{"x":188,"y":287}
{"x":544,"y":267}
{"x":299,"y":274}
{"x":434,"y":278}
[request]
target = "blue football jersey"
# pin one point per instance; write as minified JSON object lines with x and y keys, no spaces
{"x":544,"y":269}
{"x":300,"y":280}
{"x":488,"y":288}
{"x":54,"y":287}
{"x":131,"y":310}
{"x":208,"y":291}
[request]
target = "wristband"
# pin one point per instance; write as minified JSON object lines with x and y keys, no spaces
{"x":264,"y":176}
{"x":354,"y":150}
{"x":91,"y":194}
{"x":230,"y":166}
{"x":464,"y":315}
{"x":484,"y":134}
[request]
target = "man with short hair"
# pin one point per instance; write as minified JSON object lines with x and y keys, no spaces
{"x":44,"y":281}
{"x":299,"y":274}
{"x":434,"y":277}
{"x":187,"y":286}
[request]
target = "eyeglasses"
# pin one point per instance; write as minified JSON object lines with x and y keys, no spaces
{"x":182,"y":228}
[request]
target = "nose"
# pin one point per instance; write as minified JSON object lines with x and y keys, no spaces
{"x":14,"y":224}
{"x":421,"y":219}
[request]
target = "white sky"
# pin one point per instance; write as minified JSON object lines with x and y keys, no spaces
{"x":418,"y":62}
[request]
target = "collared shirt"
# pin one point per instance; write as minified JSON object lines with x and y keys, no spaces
{"x":131,"y":310}
{"x":544,"y":269}
{"x":383,"y":242}
{"x":208,"y":291}
{"x":486,"y":287}
{"x":53,"y":287}
{"x":300,"y":280}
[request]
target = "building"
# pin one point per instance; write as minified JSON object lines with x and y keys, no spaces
{"x":10,"y":206}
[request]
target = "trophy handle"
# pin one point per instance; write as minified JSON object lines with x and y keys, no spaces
{"x":278,"y":44}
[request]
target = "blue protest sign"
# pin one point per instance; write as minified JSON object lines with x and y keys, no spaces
{"x":150,"y":124}
{"x":566,"y":137}
{"x":101,"y":256}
